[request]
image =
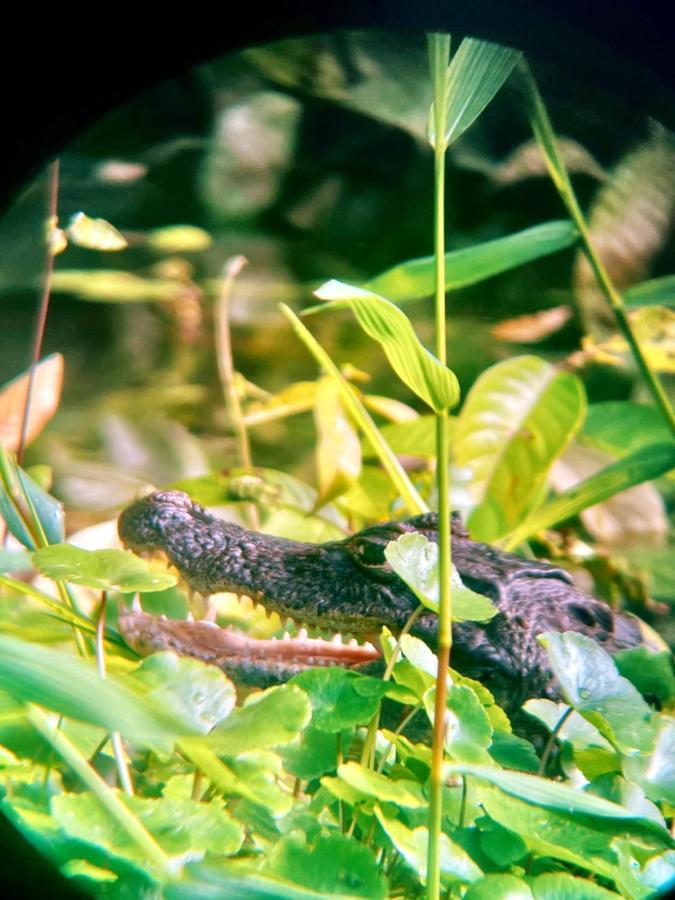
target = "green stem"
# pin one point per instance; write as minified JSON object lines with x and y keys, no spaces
{"x":115,"y":738}
{"x":439,"y":50}
{"x":105,"y":795}
{"x":390,"y":463}
{"x":543,"y":131}
{"x":553,"y":736}
{"x":227,"y":375}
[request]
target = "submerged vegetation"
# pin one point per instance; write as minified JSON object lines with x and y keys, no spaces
{"x":160,"y":776}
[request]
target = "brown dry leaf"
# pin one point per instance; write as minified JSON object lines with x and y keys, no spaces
{"x":44,"y":402}
{"x":629,"y":221}
{"x":532,"y":328}
{"x":635,"y":516}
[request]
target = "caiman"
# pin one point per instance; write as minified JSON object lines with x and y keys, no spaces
{"x":348,"y":586}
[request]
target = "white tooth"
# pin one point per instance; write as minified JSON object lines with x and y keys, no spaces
{"x":285,"y":636}
{"x":369,"y":646}
{"x":274,"y":638}
{"x":163,"y":618}
{"x":337,"y":640}
{"x":190,"y":617}
{"x":303,"y":634}
{"x":136,"y":604}
{"x":208,"y":622}
{"x":353,"y":643}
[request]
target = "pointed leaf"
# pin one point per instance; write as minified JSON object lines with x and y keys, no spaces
{"x":518,"y":417}
{"x":476,"y":73}
{"x":643,"y":465}
{"x":20,"y":498}
{"x":414,"y":558}
{"x":655,"y":292}
{"x":338,"y":450}
{"x":414,"y":279}
{"x":423,"y":373}
{"x":103,"y":570}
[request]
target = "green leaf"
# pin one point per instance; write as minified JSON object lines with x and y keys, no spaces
{"x":620,"y":426}
{"x":339,"y":697}
{"x":416,"y":437}
{"x":455,"y":863}
{"x":518,"y":417}
{"x":414,"y":279}
{"x":214,"y":882}
{"x":476,"y":73}
{"x":103,"y":570}
{"x":655,"y":292}
{"x":200,"y":694}
{"x":315,"y":753}
{"x":468,"y":730}
{"x":646,"y":463}
{"x":513,"y":752}
{"x":414,"y":558}
{"x":562,"y":886}
{"x":403,"y":792}
{"x":592,"y":685}
{"x":502,"y":845}
{"x":180,"y":827}
{"x":428,"y":378}
{"x":500,"y":887}
{"x":336,"y":866}
{"x":60,"y":682}
{"x":95,"y":234}
{"x":553,"y":795}
{"x":655,"y":773}
{"x":17,"y":487}
{"x":271,"y":718}
{"x":651,"y":673}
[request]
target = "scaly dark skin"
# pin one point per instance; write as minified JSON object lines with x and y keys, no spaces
{"x":348,"y":586}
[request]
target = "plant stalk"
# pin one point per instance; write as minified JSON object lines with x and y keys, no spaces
{"x":439,"y":51}
{"x":543,"y":131}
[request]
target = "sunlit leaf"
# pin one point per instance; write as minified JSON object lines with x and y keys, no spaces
{"x":423,"y":373}
{"x":103,"y":570}
{"x":414,"y":438}
{"x":468,"y":731}
{"x":642,"y":465}
{"x":179,"y":239}
{"x":336,"y":866}
{"x":655,"y":772}
{"x":455,"y":863}
{"x":476,"y":73}
{"x":340,"y":698}
{"x":591,"y":683}
{"x":269,"y":719}
{"x":518,"y":417}
{"x":414,"y":279}
{"x":414,"y":558}
{"x":44,"y":401}
{"x":338,"y":451}
{"x":96,"y":234}
{"x":404,"y":793}
{"x":199,"y":693}
{"x":179,"y":826}
{"x":393,"y":410}
{"x":500,"y":887}
{"x":655,"y":292}
{"x":294,"y":399}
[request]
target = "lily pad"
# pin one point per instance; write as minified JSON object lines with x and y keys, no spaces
{"x":103,"y":570}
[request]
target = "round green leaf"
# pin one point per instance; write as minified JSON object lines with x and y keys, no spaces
{"x":271,"y":718}
{"x":406,"y":794}
{"x":339,"y":697}
{"x":199,"y":694}
{"x":414,"y":558}
{"x":103,"y":570}
{"x":499,"y":887}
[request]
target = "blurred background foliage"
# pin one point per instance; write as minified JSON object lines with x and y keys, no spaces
{"x":309,"y":157}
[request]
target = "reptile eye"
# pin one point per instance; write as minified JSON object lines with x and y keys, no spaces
{"x":370,"y":554}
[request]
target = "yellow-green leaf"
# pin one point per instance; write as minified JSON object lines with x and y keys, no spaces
{"x":95,"y":234}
